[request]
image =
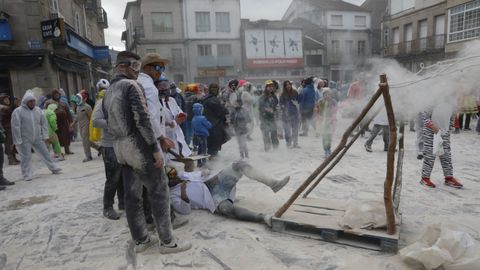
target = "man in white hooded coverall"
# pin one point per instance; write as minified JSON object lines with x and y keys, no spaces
{"x":29,"y":130}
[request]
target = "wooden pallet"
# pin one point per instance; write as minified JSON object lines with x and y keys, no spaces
{"x":319,"y":219}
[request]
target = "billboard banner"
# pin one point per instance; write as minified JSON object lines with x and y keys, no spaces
{"x":293,"y":44}
{"x":271,"y":48}
{"x":255,"y":43}
{"x":275,"y":45}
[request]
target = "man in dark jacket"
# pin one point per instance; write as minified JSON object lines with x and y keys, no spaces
{"x":307,"y":104}
{"x":267,"y":106}
{"x":216,"y":113}
{"x":137,"y":149}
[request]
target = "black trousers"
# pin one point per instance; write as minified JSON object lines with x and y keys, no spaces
{"x":156,"y":183}
{"x":114,"y":181}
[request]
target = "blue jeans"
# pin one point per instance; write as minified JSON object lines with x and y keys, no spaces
{"x":189,"y":133}
{"x":202,"y":149}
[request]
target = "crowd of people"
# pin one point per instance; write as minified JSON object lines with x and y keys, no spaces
{"x":140,"y":122}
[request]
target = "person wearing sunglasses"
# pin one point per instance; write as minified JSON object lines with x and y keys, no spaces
{"x":138,"y":151}
{"x":153,"y":65}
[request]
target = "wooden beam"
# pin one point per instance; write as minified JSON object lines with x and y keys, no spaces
{"x":344,"y":151}
{"x":397,"y":187}
{"x":387,"y":192}
{"x":337,"y":150}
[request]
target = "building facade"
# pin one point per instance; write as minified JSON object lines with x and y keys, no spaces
{"x":200,"y":37}
{"x":423,"y":32}
{"x":52,"y":44}
{"x":346,"y":34}
{"x":272,"y":50}
{"x":378,"y":9}
{"x":414,"y":32}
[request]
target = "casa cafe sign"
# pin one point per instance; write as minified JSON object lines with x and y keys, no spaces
{"x":52,"y":29}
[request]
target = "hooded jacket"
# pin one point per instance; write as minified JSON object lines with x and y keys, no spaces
{"x":51,"y":118}
{"x":129,"y":124}
{"x":307,"y":98}
{"x":199,"y":122}
{"x":28,"y":125}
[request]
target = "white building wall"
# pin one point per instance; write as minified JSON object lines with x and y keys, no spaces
{"x":348,"y":20}
{"x":212,"y":6}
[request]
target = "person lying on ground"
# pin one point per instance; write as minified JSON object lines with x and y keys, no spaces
{"x":216,"y":193}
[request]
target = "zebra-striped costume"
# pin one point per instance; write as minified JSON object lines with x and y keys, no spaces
{"x":428,"y":156}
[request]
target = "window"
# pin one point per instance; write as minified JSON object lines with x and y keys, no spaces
{"x":88,"y":33}
{"x":337,"y":20}
{"x":162,"y":22}
{"x":178,"y":78}
{"x":151,"y":51}
{"x":349,"y":47}
{"x":202,"y":20}
{"x":314,"y":60}
{"x":53,"y":6}
{"x":361,"y":21}
{"x":177,"y":57}
{"x":422,"y":34}
{"x":335,"y":48}
{"x":77,"y":22}
{"x":407,"y":31}
{"x":205,"y":50}
{"x":222,"y":22}
{"x":361,"y":48}
{"x":224,"y":50}
{"x":464,"y":21}
{"x":396,"y":35}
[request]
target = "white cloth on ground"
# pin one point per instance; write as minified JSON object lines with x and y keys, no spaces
{"x":448,"y":245}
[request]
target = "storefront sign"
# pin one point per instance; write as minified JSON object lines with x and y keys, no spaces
{"x":211,"y":72}
{"x":52,"y":29}
{"x":275,"y":62}
{"x":76,"y":42}
{"x":34,"y":44}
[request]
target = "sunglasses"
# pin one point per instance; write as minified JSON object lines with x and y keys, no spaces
{"x":158,"y":68}
{"x":135,"y":65}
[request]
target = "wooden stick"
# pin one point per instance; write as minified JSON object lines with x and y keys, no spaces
{"x":387,"y":193}
{"x":397,"y":188}
{"x":342,"y":144}
{"x":344,"y":151}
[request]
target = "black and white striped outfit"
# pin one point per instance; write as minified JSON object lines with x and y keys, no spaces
{"x":429,"y":157}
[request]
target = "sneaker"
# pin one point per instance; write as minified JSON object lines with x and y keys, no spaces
{"x":87,"y":159}
{"x":368,"y":148}
{"x":279,"y":185}
{"x":419,"y":156}
{"x":57,"y":171}
{"x":5,"y":182}
{"x":267,"y":218}
{"x":110,"y":213}
{"x":452,"y":182}
{"x":141,"y":246}
{"x":179,"y":221}
{"x":174,"y":247}
{"x":427,"y":182}
{"x":296,"y":146}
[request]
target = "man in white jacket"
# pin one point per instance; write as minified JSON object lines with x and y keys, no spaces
{"x":29,"y":130}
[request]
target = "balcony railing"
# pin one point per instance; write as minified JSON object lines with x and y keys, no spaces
{"x":139,"y":32}
{"x":206,"y":61}
{"x":427,"y":44}
{"x":102,"y":17}
{"x":91,"y":7}
{"x":211,"y":61}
